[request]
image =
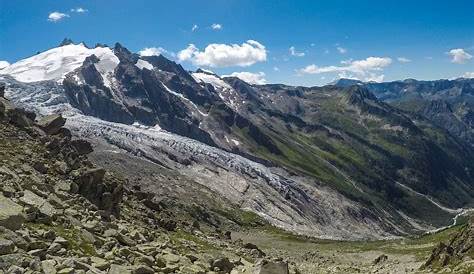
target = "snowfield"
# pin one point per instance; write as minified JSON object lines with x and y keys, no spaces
{"x":55,"y":63}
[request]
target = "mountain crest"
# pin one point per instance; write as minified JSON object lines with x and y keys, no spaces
{"x":66,"y":41}
{"x":356,"y":95}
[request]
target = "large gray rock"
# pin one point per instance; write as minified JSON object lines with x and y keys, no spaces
{"x":82,"y":146}
{"x":38,"y":202}
{"x":51,"y":124}
{"x":269,"y":267}
{"x":118,"y":269}
{"x":11,"y":214}
{"x":6,"y":246}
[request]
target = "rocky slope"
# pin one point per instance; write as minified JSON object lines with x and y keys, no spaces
{"x":455,"y":255}
{"x":329,"y":162}
{"x":59,"y":213}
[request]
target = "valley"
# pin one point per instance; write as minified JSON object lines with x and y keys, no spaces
{"x":191,"y":172}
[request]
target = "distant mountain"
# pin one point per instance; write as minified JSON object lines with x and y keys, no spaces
{"x":340,"y":161}
{"x":449,"y":104}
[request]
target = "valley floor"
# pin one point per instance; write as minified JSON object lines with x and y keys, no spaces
{"x":325,"y":256}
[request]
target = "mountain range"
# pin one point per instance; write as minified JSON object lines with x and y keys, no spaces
{"x":350,"y":160}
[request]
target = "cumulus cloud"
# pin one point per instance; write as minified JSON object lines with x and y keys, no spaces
{"x":403,"y":60}
{"x":154,"y":51}
{"x":224,"y":55}
{"x":459,"y":56}
{"x":293,"y":52}
{"x":465,"y":75}
{"x":56,"y":16}
{"x":4,"y":64}
{"x":194,"y":28}
{"x":216,"y":26}
{"x":367,"y":69}
{"x":79,"y":10}
{"x":341,"y":50}
{"x":250,"y":77}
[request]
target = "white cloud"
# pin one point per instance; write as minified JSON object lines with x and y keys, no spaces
{"x":341,"y":50}
{"x":79,"y":10}
{"x":154,"y":51}
{"x":223,"y":55}
{"x":293,"y":52}
{"x":4,"y":64}
{"x":250,"y":77}
{"x":459,"y":56}
{"x":367,"y":69}
{"x":276,"y":69}
{"x":216,"y":26}
{"x":56,"y":16}
{"x":194,"y":28}
{"x":465,"y":75}
{"x":403,"y":60}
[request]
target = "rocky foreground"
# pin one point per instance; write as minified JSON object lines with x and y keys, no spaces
{"x":61,"y":214}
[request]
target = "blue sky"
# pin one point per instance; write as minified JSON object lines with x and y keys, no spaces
{"x":369,"y":40}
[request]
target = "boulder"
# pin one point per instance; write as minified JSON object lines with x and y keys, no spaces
{"x":269,"y":267}
{"x":82,"y":147}
{"x":380,"y":259}
{"x":223,"y":264}
{"x":21,"y":117}
{"x":118,"y":269}
{"x":11,"y":214}
{"x":6,"y":246}
{"x":49,"y":266}
{"x":51,"y":124}
{"x":44,"y":207}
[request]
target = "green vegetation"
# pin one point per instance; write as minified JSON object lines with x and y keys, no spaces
{"x":76,"y":240}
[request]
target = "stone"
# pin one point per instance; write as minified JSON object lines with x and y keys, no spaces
{"x":223,"y":264}
{"x":15,"y":270}
{"x":125,"y":240}
{"x":42,"y":204}
{"x":143,"y":269}
{"x":100,"y":263}
{"x":54,"y":248}
{"x":67,"y":270}
{"x":171,"y":258}
{"x":60,"y":240}
{"x":50,"y":235}
{"x":6,"y":246}
{"x":11,"y":214}
{"x":41,"y":253}
{"x":20,"y":117}
{"x":49,"y":266}
{"x":110,"y":233}
{"x":40,"y":167}
{"x":118,"y":269}
{"x":51,"y":124}
{"x":380,"y":259}
{"x":82,"y":147}
{"x":269,"y":267}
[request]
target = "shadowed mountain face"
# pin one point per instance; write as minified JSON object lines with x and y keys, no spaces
{"x":398,"y":155}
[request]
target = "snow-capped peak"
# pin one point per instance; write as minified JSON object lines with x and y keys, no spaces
{"x":55,"y":63}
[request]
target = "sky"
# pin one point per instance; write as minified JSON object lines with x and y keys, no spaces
{"x":293,"y":42}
